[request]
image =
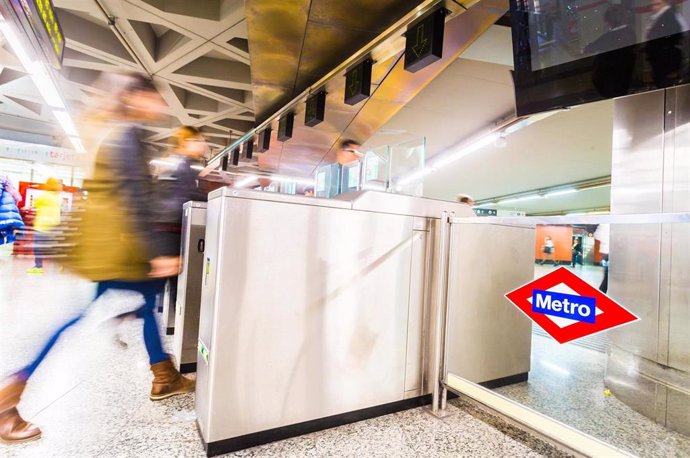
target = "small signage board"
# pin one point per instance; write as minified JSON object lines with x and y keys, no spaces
{"x":424,"y":41}
{"x":358,"y":82}
{"x":567,"y":307}
{"x":316,"y":109}
{"x":39,"y":16}
{"x":285,"y":126}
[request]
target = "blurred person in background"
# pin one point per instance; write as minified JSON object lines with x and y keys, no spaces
{"x":177,"y":182}
{"x":10,"y":218}
{"x":465,"y":199}
{"x":46,"y":220}
{"x":119,"y":248}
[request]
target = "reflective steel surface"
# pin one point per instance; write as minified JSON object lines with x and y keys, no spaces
{"x":311,"y":307}
{"x":487,"y":340}
{"x":189,"y":284}
{"x":392,"y":86}
{"x":294,"y":43}
{"x":649,"y":361}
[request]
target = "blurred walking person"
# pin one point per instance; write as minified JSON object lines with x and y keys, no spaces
{"x":118,"y":248}
{"x":48,"y":210}
{"x":10,"y":218}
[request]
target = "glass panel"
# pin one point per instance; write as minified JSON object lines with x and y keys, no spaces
{"x":376,"y":167}
{"x":407,"y":165}
{"x":626,"y":385}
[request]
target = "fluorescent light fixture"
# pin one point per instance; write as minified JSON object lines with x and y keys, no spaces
{"x":561,"y":192}
{"x":528,"y":122}
{"x":607,"y":185}
{"x":520,"y":199}
{"x":78,"y":145}
{"x":487,"y":204}
{"x":46,"y":87}
{"x":465,"y":150}
{"x":65,"y":121}
{"x":245,"y":181}
{"x":35,"y":69}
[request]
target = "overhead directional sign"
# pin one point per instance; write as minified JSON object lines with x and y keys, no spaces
{"x":358,"y":82}
{"x":40,"y":17}
{"x":424,"y":41}
{"x":567,"y":307}
{"x":316,"y":109}
{"x":249,"y":148}
{"x":264,"y":140}
{"x":285,"y":126}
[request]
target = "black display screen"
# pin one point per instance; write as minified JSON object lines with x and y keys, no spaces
{"x":569,"y":52}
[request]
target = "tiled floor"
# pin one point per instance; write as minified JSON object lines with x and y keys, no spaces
{"x":91,"y":396}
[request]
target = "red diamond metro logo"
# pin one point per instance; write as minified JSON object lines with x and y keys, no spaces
{"x":567,"y":307}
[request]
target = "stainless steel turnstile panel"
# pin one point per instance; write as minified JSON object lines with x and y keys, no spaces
{"x":304,"y":314}
{"x":312,"y":308}
{"x":648,"y":364}
{"x":488,"y":338}
{"x":189,"y":286}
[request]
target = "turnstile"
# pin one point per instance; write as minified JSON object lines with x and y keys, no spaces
{"x":189,"y":286}
{"x":316,"y":312}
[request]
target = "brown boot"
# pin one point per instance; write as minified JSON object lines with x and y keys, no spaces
{"x":13,"y":428}
{"x":167,"y":381}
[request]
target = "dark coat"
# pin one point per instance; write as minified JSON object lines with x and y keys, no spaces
{"x":177,"y":183}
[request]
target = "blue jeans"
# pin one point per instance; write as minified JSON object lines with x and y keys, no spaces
{"x":149,"y":289}
{"x":41,"y":240}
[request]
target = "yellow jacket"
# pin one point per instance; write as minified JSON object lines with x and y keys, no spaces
{"x":47,"y":211}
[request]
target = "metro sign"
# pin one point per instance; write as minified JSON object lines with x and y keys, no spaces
{"x":567,"y":307}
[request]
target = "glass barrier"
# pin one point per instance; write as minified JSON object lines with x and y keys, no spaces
{"x":582,"y":320}
{"x":389,"y":168}
{"x":407,"y":165}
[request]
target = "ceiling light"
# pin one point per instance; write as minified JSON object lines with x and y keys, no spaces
{"x":519,"y":199}
{"x":35,"y":69}
{"x":562,"y":192}
{"x":78,"y":145}
{"x":465,"y":150}
{"x":65,"y":121}
{"x":487,"y":204}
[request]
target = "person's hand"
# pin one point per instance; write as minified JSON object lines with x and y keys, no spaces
{"x":165,"y":266}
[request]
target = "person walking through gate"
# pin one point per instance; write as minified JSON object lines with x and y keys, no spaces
{"x":118,"y":248}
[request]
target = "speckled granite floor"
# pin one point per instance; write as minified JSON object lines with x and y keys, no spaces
{"x":90,"y":396}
